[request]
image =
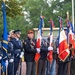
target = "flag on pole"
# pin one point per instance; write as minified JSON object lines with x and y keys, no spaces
{"x":50,"y":53}
{"x":60,"y":21}
{"x":4,"y":42}
{"x":63,"y":45}
{"x":39,"y":37}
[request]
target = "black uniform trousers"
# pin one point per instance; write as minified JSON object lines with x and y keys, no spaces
{"x":30,"y":68}
{"x":16,"y":64}
{"x":11,"y":68}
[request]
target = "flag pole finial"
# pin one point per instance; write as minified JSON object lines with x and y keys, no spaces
{"x":67,"y":15}
{"x":4,"y":1}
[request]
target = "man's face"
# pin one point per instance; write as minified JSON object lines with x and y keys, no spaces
{"x":18,"y":35}
{"x":31,"y":35}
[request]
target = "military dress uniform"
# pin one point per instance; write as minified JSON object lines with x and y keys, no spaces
{"x":29,"y":51}
{"x":10,"y":59}
{"x":1,"y":55}
{"x":18,"y":50}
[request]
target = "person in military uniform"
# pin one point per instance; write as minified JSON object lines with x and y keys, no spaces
{"x":18,"y":51}
{"x":29,"y":51}
{"x":10,"y":56}
{"x":1,"y":54}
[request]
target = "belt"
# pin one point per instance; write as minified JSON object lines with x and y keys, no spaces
{"x":17,"y":51}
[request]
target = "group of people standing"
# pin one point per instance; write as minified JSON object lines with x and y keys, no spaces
{"x":44,"y":67}
{"x":27,"y":48}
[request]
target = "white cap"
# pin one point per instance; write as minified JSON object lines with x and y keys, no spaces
{"x":11,"y":32}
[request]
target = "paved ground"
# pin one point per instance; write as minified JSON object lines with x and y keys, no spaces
{"x":23,"y":68}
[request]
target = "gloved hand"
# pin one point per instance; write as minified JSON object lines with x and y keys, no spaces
{"x":11,"y":60}
{"x":0,"y":57}
{"x":38,"y":50}
{"x":50,"y":48}
{"x":6,"y":63}
{"x":21,"y":55}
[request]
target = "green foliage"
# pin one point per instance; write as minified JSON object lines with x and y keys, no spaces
{"x":33,"y":9}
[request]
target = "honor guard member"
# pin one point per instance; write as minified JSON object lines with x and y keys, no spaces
{"x":10,"y":56}
{"x":1,"y":54}
{"x":11,"y":33}
{"x":29,"y":51}
{"x":17,"y":47}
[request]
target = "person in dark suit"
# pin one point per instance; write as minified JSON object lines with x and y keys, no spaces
{"x":29,"y":51}
{"x":51,"y":67}
{"x":43,"y":58}
{"x":62,"y":66}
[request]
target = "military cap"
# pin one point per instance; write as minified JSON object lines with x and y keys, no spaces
{"x":17,"y":32}
{"x":30,"y":31}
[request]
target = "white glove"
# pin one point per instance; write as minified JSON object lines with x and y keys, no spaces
{"x":11,"y":60}
{"x":21,"y":56}
{"x":0,"y":57}
{"x":6,"y":63}
{"x":22,"y":53}
{"x":38,"y":50}
{"x":50,"y":48}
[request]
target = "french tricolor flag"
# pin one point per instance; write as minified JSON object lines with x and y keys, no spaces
{"x":50,"y":53}
{"x":71,"y":38}
{"x":63,"y":46}
{"x":39,"y":37}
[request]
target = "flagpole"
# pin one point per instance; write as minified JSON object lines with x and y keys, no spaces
{"x":73,"y":13}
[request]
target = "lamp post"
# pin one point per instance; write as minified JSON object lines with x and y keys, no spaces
{"x":73,"y":13}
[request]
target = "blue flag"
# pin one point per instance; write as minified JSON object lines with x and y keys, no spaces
{"x":4,"y":42}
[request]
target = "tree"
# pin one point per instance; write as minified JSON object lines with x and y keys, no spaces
{"x":56,"y":9}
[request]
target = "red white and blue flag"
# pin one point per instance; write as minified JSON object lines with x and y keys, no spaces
{"x":60,"y":21}
{"x":63,"y":45}
{"x":39,"y":37}
{"x":50,"y":53}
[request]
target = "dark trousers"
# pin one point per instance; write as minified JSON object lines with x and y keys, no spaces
{"x":73,"y":67}
{"x":42,"y":67}
{"x":62,"y":68}
{"x":30,"y":68}
{"x":11,"y":68}
{"x":16,"y":64}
